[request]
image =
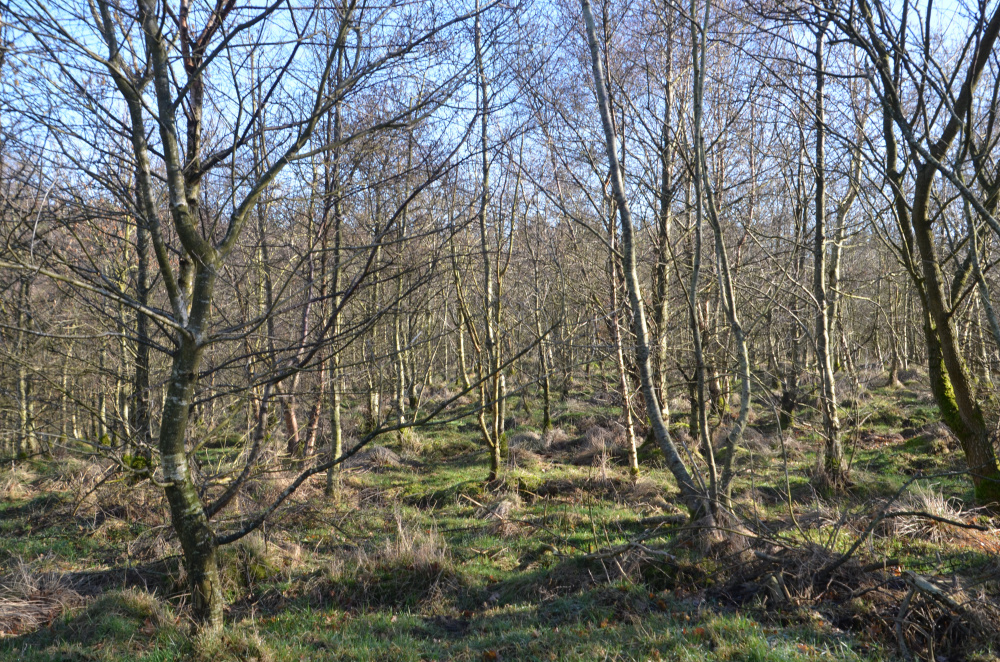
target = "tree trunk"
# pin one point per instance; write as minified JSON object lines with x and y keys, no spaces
{"x":661,"y":273}
{"x":951,"y":382}
{"x":833,"y":454}
{"x":187,"y":514}
{"x":693,"y":498}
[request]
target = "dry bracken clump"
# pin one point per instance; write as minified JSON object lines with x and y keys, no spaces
{"x":500,"y":512}
{"x":29,"y":600}
{"x":373,"y":457}
{"x":645,"y":489}
{"x":521,"y":457}
{"x":413,"y":546}
{"x":527,"y":440}
{"x":15,"y":483}
{"x":928,"y":499}
{"x":554,"y":436}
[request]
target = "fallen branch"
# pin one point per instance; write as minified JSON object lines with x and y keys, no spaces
{"x":621,"y":549}
{"x":916,"y":582}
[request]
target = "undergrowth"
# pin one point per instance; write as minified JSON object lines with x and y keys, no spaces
{"x":566,"y":557}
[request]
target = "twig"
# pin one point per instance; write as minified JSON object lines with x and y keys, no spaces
{"x":936,"y":518}
{"x":621,"y":549}
{"x":900,"y":620}
{"x":881,"y":565}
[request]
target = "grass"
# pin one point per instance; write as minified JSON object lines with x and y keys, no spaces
{"x":422,"y":561}
{"x":599,"y":624}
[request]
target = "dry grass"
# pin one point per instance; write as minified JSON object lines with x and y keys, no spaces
{"x":519,"y":457}
{"x":438,"y":394}
{"x":29,"y":600}
{"x":600,"y":444}
{"x":16,"y":483}
{"x":413,"y":565}
{"x":523,"y":449}
{"x":413,"y":546}
{"x":758,"y":443}
{"x":606,"y":398}
{"x":155,"y":543}
{"x":646,"y":490}
{"x":554,"y":436}
{"x":230,"y":645}
{"x":73,"y":475}
{"x":385,"y":556}
{"x":527,"y":440}
{"x":131,"y":503}
{"x":409,"y":545}
{"x":820,"y":515}
{"x":928,"y":499}
{"x":410,"y":443}
{"x":262,"y":489}
{"x":254,"y":559}
{"x":373,"y":457}
{"x":574,"y":406}
{"x":500,"y":512}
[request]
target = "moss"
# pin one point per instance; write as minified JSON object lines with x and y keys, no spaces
{"x":887,"y":416}
{"x":988,"y":490}
{"x":448,"y":495}
{"x":926,"y":444}
{"x":944,"y":394}
{"x":356,"y":592}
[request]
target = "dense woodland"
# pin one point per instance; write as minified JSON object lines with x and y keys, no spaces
{"x":256,"y":255}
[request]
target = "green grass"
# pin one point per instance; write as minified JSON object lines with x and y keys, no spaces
{"x":607,"y":623}
{"x":407,"y":563}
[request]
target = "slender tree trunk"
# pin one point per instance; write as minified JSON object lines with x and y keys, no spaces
{"x":141,"y":418}
{"x":616,"y":338}
{"x":490,"y":422}
{"x":27,"y":442}
{"x":691,"y":495}
{"x":833,"y":455}
{"x":698,"y":56}
{"x":661,"y":273}
{"x":332,"y":203}
{"x":463,"y":374}
{"x":103,"y":435}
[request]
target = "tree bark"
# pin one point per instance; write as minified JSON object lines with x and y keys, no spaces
{"x":833,"y":454}
{"x":693,"y":498}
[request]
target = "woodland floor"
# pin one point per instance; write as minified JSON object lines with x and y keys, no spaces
{"x":416,"y":559}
